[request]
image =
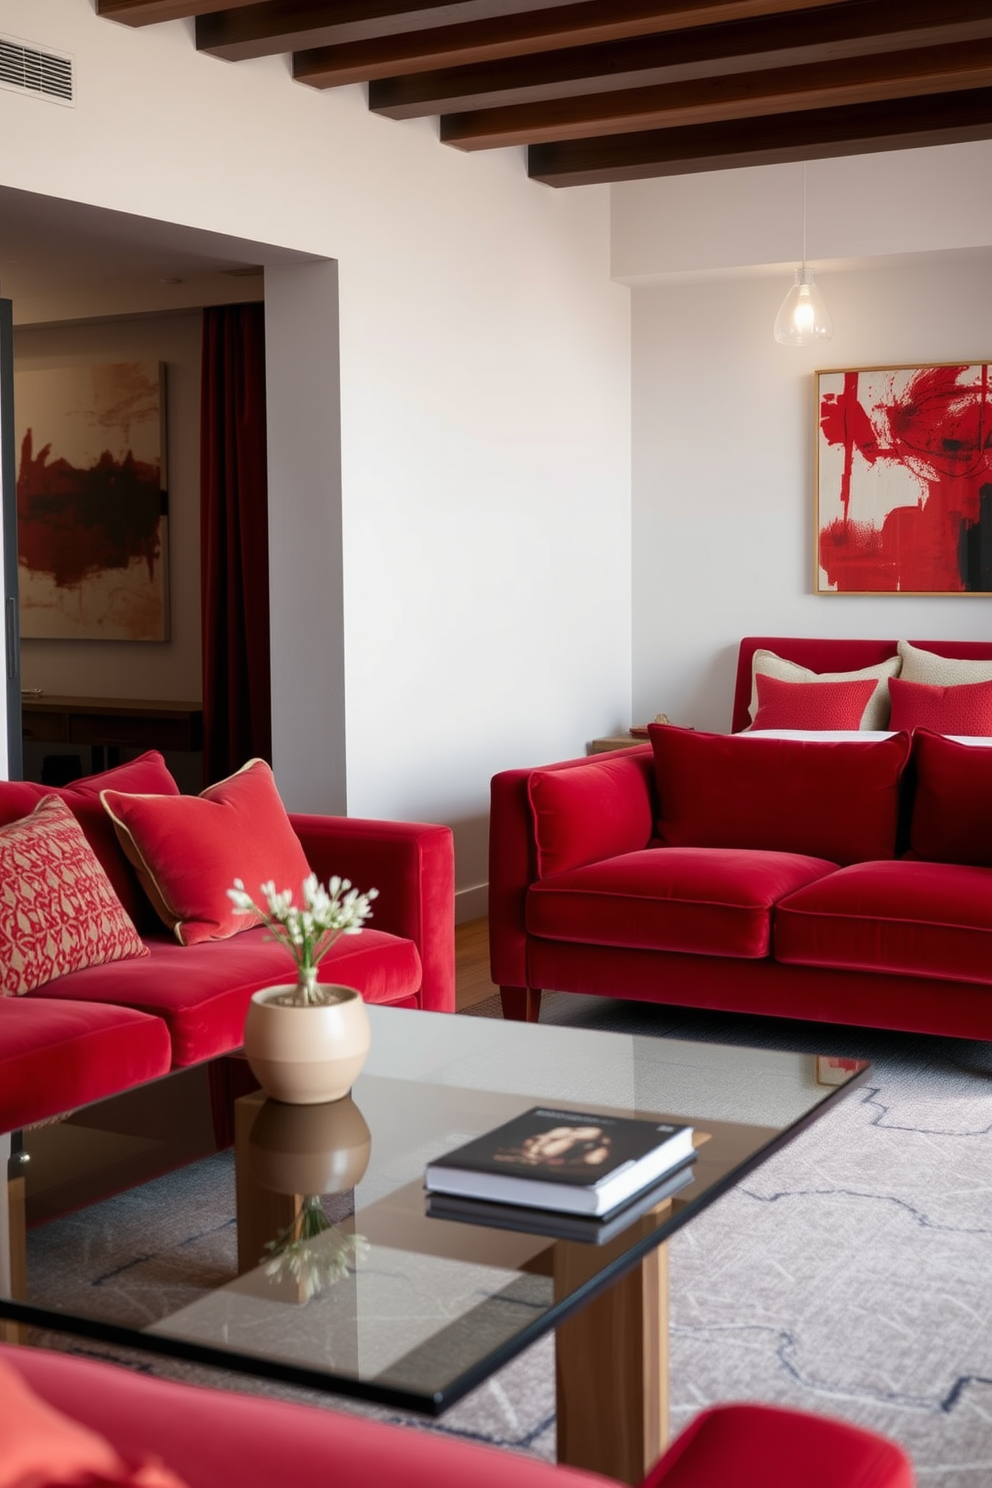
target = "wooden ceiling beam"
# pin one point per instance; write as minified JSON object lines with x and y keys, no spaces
{"x":817,"y":135}
{"x":651,"y":61}
{"x":785,"y":90}
{"x":148,"y":12}
{"x":585,"y":22}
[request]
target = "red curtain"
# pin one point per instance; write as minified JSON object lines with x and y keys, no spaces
{"x":234,"y":540}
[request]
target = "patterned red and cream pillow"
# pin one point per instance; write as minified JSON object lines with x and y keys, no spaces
{"x":188,"y":850}
{"x":58,"y":909}
{"x":876,"y":714}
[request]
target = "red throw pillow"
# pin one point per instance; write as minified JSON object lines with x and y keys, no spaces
{"x":823,"y":799}
{"x":963,"y":709}
{"x":147,"y":773}
{"x":58,"y":909}
{"x":952,"y":804}
{"x":811,"y":705}
{"x":188,"y":850}
{"x":42,"y":1448}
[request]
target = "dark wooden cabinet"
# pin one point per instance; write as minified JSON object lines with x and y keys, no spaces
{"x":108,"y":725}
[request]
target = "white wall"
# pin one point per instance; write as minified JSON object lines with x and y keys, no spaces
{"x":485,"y":375}
{"x":169,"y":669}
{"x":723,"y":417}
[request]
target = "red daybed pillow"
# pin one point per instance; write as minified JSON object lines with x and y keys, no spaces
{"x":146,"y":773}
{"x":964,"y":708}
{"x":42,"y":1448}
{"x":838,"y":801}
{"x":58,"y":909}
{"x":188,"y":850}
{"x":811,"y":705}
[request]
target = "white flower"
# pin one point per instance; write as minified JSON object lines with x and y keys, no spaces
{"x":307,"y":932}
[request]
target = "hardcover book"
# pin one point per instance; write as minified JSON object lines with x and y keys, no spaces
{"x":576,"y":1162}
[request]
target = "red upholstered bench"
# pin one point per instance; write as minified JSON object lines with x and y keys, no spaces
{"x":211,"y":1439}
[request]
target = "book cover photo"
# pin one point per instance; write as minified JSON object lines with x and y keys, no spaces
{"x":577,"y":1161}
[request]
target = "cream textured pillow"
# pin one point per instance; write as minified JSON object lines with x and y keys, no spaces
{"x":940,"y":671}
{"x":876,"y":714}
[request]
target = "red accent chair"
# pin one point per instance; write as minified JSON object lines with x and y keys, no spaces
{"x":211,"y":1438}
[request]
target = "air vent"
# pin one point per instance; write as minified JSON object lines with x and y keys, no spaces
{"x":27,"y":69}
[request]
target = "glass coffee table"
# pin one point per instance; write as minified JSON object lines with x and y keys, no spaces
{"x":193,"y":1218}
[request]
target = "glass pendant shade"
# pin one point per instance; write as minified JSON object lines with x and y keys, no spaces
{"x":803,"y":317}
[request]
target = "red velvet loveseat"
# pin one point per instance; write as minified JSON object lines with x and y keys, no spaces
{"x":846,"y":881}
{"x":95,"y":1031}
{"x":209,"y":1439}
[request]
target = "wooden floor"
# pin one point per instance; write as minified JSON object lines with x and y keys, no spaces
{"x":472,"y":982}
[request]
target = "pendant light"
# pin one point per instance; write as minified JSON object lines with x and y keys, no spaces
{"x":803,"y":316}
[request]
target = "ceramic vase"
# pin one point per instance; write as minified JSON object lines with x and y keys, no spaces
{"x":321,"y":1149}
{"x":306,"y":1055}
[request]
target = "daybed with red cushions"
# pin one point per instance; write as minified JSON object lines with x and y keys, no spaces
{"x":111,"y":996}
{"x":808,"y":876}
{"x":73,"y":1421}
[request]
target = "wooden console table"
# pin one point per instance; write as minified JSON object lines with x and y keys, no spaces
{"x":108,"y":725}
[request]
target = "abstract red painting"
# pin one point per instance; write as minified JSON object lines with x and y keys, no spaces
{"x":904,"y":480}
{"x":92,"y":512}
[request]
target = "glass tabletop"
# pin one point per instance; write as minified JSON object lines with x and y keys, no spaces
{"x":193,"y":1217}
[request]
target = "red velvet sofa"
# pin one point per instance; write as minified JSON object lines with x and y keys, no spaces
{"x":209,"y":1439}
{"x":95,"y":1031}
{"x":848,"y":882}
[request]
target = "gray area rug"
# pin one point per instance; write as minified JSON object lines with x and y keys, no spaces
{"x":850,"y":1275}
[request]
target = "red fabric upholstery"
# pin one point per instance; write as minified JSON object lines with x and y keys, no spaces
{"x":202,"y":991}
{"x":811,"y":705}
{"x":712,"y":901}
{"x":829,"y":655}
{"x":188,"y":850}
{"x":218,"y":1439}
{"x":952,"y":804}
{"x":761,"y":1446}
{"x":964,"y":709}
{"x":412,"y":864}
{"x":921,"y":919}
{"x":838,"y":801}
{"x":582,"y":816}
{"x":57,"y":1055}
{"x":148,"y":773}
{"x":214,"y":1438}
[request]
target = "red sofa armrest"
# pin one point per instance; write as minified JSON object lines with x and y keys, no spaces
{"x":412,"y":864}
{"x":513,"y":845}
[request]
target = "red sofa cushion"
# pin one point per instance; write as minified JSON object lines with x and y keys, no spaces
{"x":907,"y":917}
{"x":148,"y":773}
{"x":581,"y":815}
{"x":952,"y":803}
{"x":964,"y":709}
{"x":42,"y":1448}
{"x":810,"y":705}
{"x":763,"y":1446}
{"x":837,"y":801}
{"x":58,"y":909}
{"x":188,"y":850}
{"x":711,"y":901}
{"x":56,"y":1055}
{"x":202,"y":991}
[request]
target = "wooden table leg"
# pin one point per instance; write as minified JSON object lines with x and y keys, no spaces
{"x":13,"y":1243}
{"x":612,"y":1368}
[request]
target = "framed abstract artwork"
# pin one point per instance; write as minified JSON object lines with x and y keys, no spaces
{"x":904,"y":480}
{"x":92,"y":509}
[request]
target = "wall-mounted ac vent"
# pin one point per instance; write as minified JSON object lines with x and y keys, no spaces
{"x":27,"y":69}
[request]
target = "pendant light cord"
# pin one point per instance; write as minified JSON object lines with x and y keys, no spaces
{"x":804,"y":217}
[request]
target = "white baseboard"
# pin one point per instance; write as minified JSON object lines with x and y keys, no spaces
{"x":471,"y":904}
